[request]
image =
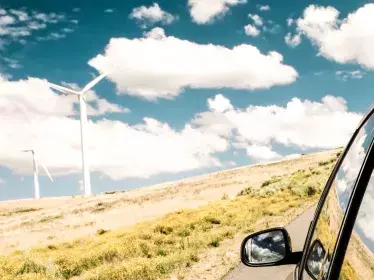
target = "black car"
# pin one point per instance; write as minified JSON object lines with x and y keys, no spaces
{"x":340,"y":239}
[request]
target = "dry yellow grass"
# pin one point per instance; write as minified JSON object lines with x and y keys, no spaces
{"x":155,"y":249}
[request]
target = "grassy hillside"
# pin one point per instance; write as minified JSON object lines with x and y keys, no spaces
{"x":154,"y":249}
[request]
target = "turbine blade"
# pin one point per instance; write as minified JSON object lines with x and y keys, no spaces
{"x":62,"y":89}
{"x":45,"y":168}
{"x":93,"y":82}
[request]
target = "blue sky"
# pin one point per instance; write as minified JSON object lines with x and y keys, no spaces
{"x":71,"y":33}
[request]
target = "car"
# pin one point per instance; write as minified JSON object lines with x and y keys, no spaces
{"x":340,"y":239}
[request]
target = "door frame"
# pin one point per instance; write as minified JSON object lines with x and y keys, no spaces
{"x":322,"y":201}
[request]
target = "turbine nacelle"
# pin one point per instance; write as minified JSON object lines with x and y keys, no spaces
{"x":78,"y":93}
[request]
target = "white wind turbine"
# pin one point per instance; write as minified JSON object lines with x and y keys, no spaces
{"x":83,"y":119}
{"x":37,"y":162}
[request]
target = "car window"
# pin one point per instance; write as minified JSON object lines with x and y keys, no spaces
{"x":359,"y":259}
{"x":335,"y":205}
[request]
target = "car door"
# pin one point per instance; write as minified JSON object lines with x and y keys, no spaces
{"x":334,"y":206}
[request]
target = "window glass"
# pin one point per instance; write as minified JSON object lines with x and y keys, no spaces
{"x":335,"y":205}
{"x":359,"y":259}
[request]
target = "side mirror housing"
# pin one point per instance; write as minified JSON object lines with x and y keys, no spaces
{"x":269,"y":247}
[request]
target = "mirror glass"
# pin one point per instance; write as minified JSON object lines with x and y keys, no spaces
{"x":315,"y":259}
{"x":265,"y":247}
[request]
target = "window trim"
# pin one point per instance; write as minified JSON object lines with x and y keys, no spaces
{"x":349,"y":219}
{"x":324,"y":194}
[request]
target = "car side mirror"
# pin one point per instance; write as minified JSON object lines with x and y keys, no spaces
{"x":317,"y":256}
{"x":269,"y":247}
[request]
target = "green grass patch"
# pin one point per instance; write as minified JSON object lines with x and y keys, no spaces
{"x":49,"y":219}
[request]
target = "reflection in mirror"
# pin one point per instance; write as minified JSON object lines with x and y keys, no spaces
{"x":268,"y":247}
{"x":315,"y":259}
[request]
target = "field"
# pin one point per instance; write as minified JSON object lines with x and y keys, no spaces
{"x":182,"y":230}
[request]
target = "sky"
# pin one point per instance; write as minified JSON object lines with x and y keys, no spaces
{"x":194,"y":86}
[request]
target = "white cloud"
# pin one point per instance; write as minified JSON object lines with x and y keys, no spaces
{"x":16,"y":25}
{"x":251,"y":30}
{"x":34,"y":25}
{"x":22,"y":15}
{"x":257,"y":20}
{"x":262,"y":154}
{"x":2,"y":181}
{"x":293,"y":41}
{"x":109,"y":11}
{"x":203,"y":11}
{"x":120,"y":150}
{"x":75,"y":21}
{"x":219,"y":104}
{"x":348,"y":40}
{"x":49,"y":18}
{"x":162,"y":67}
{"x":353,"y":75}
{"x":12,"y":63}
{"x":117,"y":149}
{"x":156,"y":33}
{"x":151,"y":15}
{"x":302,"y":124}
{"x":290,"y":21}
{"x":67,"y":30}
{"x":263,"y":7}
{"x":7,"y":20}
{"x":52,"y":36}
{"x":2,"y":12}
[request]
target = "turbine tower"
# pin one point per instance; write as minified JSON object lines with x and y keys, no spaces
{"x":83,"y":119}
{"x":36,"y":179}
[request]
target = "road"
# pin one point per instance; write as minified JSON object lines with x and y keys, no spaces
{"x":297,"y":229}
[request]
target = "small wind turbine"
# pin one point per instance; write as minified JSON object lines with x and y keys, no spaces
{"x":83,"y":118}
{"x":36,"y":179}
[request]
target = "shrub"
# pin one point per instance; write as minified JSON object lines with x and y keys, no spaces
{"x":311,"y":190}
{"x":212,"y":220}
{"x":163,"y":229}
{"x":214,"y":243}
{"x":101,"y":231}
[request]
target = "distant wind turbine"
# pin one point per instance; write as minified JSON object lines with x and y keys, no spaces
{"x":83,"y":118}
{"x":37,"y":162}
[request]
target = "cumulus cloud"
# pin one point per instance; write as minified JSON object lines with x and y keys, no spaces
{"x":148,"y":16}
{"x":120,"y":150}
{"x":344,"y":40}
{"x":251,"y":30}
{"x":292,"y":41}
{"x":290,"y":21}
{"x":302,"y":124}
{"x":109,"y":11}
{"x":203,"y":11}
{"x":219,"y":104}
{"x":33,"y":116}
{"x":262,"y":154}
{"x":2,"y":181}
{"x":162,"y":66}
{"x":263,"y":7}
{"x":257,"y":20}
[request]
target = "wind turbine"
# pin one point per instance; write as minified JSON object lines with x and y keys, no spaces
{"x":36,"y":179}
{"x":83,"y":119}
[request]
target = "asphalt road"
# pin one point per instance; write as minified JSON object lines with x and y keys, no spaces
{"x":297,"y":229}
